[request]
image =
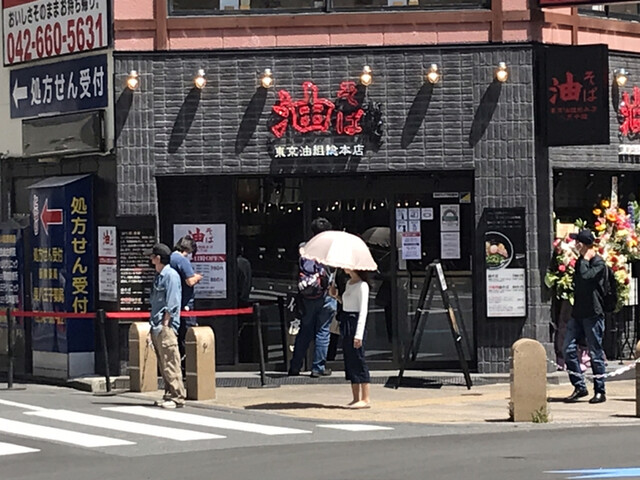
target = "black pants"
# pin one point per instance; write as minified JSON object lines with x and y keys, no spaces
{"x":355,"y":365}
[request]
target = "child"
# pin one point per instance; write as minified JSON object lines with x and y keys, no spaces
{"x":353,"y":319}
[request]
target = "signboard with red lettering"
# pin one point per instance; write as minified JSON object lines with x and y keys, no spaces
{"x":38,"y":29}
{"x":315,"y":127}
{"x":62,"y":277}
{"x":574,"y":95}
{"x":210,"y":259}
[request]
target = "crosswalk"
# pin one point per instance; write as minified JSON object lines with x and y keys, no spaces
{"x":119,"y":429}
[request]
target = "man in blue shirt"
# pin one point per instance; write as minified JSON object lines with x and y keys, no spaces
{"x":165,"y":321}
{"x":188,"y":278}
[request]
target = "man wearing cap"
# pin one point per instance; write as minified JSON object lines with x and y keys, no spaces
{"x":587,"y":319}
{"x":165,"y":321}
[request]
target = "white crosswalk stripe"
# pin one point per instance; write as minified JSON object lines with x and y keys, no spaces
{"x":11,"y":449}
{"x":204,"y":421}
{"x":30,"y":430}
{"x":124,"y":425}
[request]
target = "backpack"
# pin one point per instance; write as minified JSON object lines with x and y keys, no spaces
{"x":313,"y":279}
{"x":610,"y":291}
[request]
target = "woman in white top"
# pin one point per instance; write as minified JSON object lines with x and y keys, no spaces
{"x":353,"y":320}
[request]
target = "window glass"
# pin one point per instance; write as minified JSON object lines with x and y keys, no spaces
{"x":203,"y":7}
{"x":624,"y":11}
{"x":209,"y":7}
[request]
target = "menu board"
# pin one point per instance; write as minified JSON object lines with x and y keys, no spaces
{"x":10,"y":268}
{"x":135,"y":275}
{"x":505,"y":262}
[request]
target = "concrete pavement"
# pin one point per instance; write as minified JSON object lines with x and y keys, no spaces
{"x":427,"y":402}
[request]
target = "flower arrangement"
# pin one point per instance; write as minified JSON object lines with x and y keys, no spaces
{"x":559,"y":276}
{"x":616,"y":242}
{"x":616,"y":229}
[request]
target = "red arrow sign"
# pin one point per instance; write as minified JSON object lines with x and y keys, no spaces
{"x":50,"y":217}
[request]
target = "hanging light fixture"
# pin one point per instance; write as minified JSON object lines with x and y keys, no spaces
{"x":267,"y":80}
{"x":132,"y":80}
{"x":622,"y":76}
{"x":199,"y":81}
{"x":365,"y":76}
{"x":502,"y":74}
{"x":433,"y":76}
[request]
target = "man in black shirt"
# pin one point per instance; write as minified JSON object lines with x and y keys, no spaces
{"x":587,"y":319}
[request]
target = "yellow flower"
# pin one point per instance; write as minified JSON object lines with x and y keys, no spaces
{"x":621,"y":211}
{"x":611,"y":217}
{"x":600,"y":227}
{"x":605,"y":203}
{"x":597,"y":212}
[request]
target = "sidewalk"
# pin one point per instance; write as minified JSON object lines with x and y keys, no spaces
{"x":440,"y":398}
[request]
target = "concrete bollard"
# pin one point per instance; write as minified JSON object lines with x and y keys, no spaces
{"x":637,"y":381}
{"x":528,"y":382}
{"x":200,"y":364}
{"x":143,"y":364}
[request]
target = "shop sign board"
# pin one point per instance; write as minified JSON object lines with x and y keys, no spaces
{"x":74,"y":85}
{"x":39,"y":29}
{"x":505,"y":262}
{"x":62,"y":262}
{"x":629,"y":117}
{"x":316,"y":127}
{"x":11,"y":268}
{"x":210,"y":259}
{"x":574,"y":95}
{"x":135,"y":272}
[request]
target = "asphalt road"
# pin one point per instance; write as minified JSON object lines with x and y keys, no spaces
{"x":54,"y":434}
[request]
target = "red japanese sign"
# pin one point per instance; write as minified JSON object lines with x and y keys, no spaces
{"x":575,"y":95}
{"x":629,"y":114}
{"x":315,"y":126}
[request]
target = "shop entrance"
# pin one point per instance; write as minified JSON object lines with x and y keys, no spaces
{"x":274,"y":215}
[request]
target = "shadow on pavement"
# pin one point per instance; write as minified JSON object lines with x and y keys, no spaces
{"x":409,"y":382}
{"x":498,"y":420}
{"x":292,"y":406}
{"x":125,"y":404}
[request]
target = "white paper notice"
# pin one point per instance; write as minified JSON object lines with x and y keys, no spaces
{"x":401,"y":214}
{"x":107,"y":264}
{"x":414,"y":213}
{"x":450,"y":245}
{"x":426,"y":213}
{"x":414,"y":225}
{"x":450,"y":218}
{"x":506,"y":293}
{"x":402,"y":226}
{"x":411,"y":246}
{"x":211,"y":258}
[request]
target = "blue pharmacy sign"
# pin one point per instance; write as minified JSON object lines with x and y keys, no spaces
{"x":61,"y":87}
{"x":62,"y":262}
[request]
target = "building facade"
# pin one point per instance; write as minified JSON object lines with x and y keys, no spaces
{"x":436,"y":171}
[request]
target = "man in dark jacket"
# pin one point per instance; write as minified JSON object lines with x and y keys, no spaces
{"x":587,"y":319}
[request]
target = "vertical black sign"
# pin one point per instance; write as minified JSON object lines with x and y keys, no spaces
{"x":135,"y":271}
{"x":573,"y":94}
{"x":505,"y":261}
{"x":11,"y":264}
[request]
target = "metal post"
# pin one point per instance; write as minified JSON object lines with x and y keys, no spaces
{"x":10,"y":348}
{"x":258,"y":325}
{"x":105,"y":354}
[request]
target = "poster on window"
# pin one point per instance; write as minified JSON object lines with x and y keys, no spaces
{"x":107,"y":264}
{"x":210,"y":259}
{"x":574,"y":95}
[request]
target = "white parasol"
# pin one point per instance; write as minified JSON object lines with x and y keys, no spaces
{"x":339,"y":249}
